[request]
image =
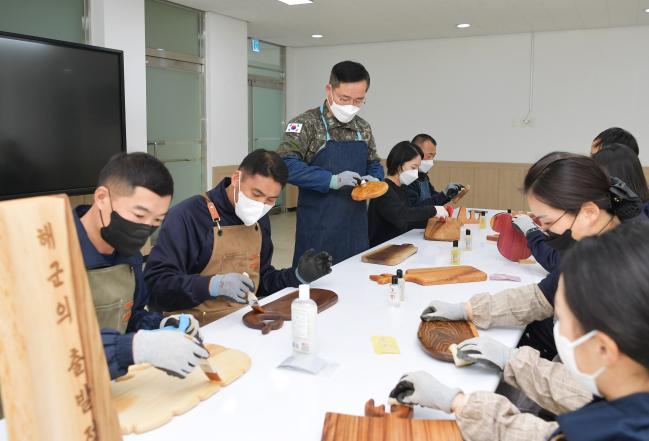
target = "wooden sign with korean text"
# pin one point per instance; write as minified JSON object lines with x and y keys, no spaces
{"x":55,"y":381}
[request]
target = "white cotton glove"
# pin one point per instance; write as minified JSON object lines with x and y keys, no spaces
{"x":234,"y":286}
{"x":369,"y":178}
{"x":525,"y":223}
{"x":441,"y":212}
{"x":487,"y":351}
{"x":443,"y":311}
{"x":344,"y":179}
{"x":423,"y":389}
{"x":173,"y":352}
{"x":184,"y":323}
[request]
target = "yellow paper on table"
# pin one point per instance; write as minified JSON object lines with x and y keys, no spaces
{"x":385,"y":345}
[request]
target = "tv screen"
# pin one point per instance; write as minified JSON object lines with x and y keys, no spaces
{"x":61,"y":115}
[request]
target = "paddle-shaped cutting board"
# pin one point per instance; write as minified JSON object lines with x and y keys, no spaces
{"x":377,"y":425}
{"x":147,"y":398}
{"x":448,"y":230}
{"x":436,"y":336}
{"x":390,"y":254}
{"x":436,"y":276}
{"x":369,"y":190}
{"x":278,"y":311}
{"x":512,"y":243}
{"x":460,"y":195}
{"x":445,"y":274}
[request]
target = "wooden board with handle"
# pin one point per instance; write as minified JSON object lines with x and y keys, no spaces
{"x":369,"y":190}
{"x":449,"y":230}
{"x":390,"y":255}
{"x":512,"y":243}
{"x":460,"y":195}
{"x":436,"y":336}
{"x":147,"y":398}
{"x":445,"y":275}
{"x":436,"y":276}
{"x":377,"y":425}
{"x":55,"y":382}
{"x":279,"y":311}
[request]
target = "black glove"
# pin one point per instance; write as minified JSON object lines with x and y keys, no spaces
{"x":312,"y":266}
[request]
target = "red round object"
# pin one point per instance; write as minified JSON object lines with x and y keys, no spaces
{"x":512,"y":243}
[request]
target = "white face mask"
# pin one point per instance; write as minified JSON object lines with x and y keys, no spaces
{"x":249,"y":210}
{"x":566,"y":350}
{"x":344,"y":114}
{"x":408,"y":177}
{"x":426,"y":165}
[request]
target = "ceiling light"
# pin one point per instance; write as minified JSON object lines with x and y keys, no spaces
{"x":647,"y":10}
{"x":296,"y":2}
{"x":463,"y":26}
{"x":317,"y":36}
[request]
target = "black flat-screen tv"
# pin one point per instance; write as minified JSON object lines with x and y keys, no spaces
{"x":61,"y":115}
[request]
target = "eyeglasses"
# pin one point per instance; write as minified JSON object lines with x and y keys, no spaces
{"x":347,"y":100}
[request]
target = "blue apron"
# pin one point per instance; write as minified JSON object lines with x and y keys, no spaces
{"x":624,"y":419}
{"x":333,"y":221}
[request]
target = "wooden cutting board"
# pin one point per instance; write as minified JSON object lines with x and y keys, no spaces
{"x":445,"y":275}
{"x":513,"y":213}
{"x":390,"y":254}
{"x":448,"y":230}
{"x":436,"y":336}
{"x":377,"y":425}
{"x":369,"y":190}
{"x":460,"y":195}
{"x":512,"y":243}
{"x":279,"y":311}
{"x":147,"y":398}
{"x":436,"y":276}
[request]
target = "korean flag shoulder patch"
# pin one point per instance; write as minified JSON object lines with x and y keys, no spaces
{"x":294,"y":128}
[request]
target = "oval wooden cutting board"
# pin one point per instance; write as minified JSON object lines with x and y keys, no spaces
{"x":436,"y":336}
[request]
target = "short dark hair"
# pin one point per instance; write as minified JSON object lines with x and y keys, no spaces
{"x":348,"y":72}
{"x":423,"y":137}
{"x":566,"y":181}
{"x":616,"y":135}
{"x":621,"y":162}
{"x":265,"y":163}
{"x":125,"y":171}
{"x":400,"y":154}
{"x":615,"y":301}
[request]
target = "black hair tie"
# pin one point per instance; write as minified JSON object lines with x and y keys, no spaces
{"x":624,"y":202}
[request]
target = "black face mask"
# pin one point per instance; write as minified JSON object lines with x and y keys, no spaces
{"x":125,"y":236}
{"x":561,"y":242}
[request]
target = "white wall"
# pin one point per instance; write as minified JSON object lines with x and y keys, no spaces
{"x":119,"y":24}
{"x":467,"y":92}
{"x":226,"y":75}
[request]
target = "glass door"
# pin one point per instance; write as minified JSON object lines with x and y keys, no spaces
{"x":175,"y":94}
{"x":266,"y":99}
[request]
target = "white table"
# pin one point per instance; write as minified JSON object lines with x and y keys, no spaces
{"x":276,"y":403}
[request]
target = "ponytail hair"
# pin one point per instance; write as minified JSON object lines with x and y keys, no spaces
{"x":566,"y":181}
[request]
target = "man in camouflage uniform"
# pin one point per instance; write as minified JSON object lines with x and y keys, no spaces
{"x":328,"y":151}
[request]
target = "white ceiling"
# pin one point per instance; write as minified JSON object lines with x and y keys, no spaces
{"x":365,"y":21}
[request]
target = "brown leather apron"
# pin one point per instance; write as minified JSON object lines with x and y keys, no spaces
{"x":236,"y":249}
{"x":112,"y":291}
